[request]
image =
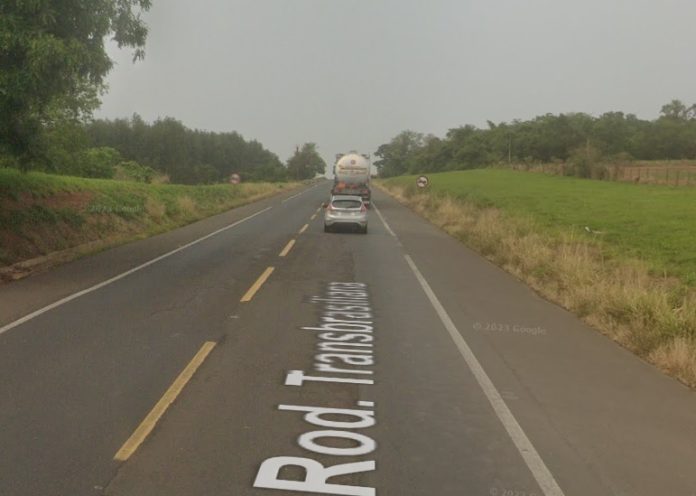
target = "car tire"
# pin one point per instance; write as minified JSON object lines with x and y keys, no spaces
{"x":326,"y":228}
{"x":364,"y":230}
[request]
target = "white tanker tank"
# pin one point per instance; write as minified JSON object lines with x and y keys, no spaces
{"x":352,"y":175}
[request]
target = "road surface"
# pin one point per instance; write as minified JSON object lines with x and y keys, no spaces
{"x":253,"y":354}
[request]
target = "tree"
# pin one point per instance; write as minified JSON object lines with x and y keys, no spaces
{"x":65,"y":145}
{"x":53,"y":63}
{"x":580,"y":140}
{"x":306,"y":162}
{"x":399,"y":155}
{"x":469,"y":147}
{"x":433,"y":155}
{"x":186,"y":155}
{"x":677,"y":110}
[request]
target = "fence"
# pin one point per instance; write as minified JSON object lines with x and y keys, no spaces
{"x":664,"y":173}
{"x":667,"y":175}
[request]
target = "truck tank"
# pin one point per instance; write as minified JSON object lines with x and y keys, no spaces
{"x":352,"y":175}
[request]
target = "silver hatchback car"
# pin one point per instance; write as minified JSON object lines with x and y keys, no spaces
{"x":346,"y":211}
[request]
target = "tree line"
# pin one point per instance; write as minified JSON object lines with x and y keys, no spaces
{"x":580,"y":140}
{"x":138,"y":150}
{"x":185,"y":155}
{"x":53,"y":67}
{"x":194,"y":156}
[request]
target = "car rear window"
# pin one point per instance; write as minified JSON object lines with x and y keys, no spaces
{"x":347,"y":203}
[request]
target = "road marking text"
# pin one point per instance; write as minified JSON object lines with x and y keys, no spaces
{"x":345,"y":354}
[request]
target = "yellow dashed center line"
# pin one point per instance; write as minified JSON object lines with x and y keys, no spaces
{"x":304,"y":228}
{"x":146,"y":426}
{"x":313,"y":217}
{"x":287,"y":248}
{"x":257,"y":285}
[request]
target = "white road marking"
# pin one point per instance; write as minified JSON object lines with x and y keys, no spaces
{"x":298,"y":194}
{"x":529,"y":454}
{"x":73,"y":296}
{"x":386,"y":225}
{"x":357,"y":326}
{"x":536,"y":465}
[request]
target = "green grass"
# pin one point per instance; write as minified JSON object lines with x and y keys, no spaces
{"x":41,"y":213}
{"x":654,"y":223}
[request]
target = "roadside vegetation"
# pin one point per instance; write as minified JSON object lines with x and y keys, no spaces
{"x":180,"y":154}
{"x":47,"y":219}
{"x":577,"y":144}
{"x":88,"y":184}
{"x":54,"y":68}
{"x":618,"y":255}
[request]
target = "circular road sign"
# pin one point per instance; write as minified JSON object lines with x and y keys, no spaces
{"x":422,"y":181}
{"x":235,"y":179}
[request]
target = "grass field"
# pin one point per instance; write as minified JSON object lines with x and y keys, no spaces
{"x":41,"y":214}
{"x":632,"y":276}
{"x":653,"y":223}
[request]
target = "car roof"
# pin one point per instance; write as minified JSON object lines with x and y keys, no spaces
{"x":346,"y":197}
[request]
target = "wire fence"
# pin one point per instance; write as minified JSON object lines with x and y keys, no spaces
{"x":678,"y":173}
{"x":666,"y":175}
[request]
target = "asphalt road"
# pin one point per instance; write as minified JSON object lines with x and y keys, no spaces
{"x":395,"y":363}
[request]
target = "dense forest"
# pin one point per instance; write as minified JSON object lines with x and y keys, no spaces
{"x":137,"y":150}
{"x":578,"y":139}
{"x":185,"y":155}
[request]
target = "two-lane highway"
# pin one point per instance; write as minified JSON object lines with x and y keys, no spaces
{"x":78,"y":378}
{"x":274,"y":358}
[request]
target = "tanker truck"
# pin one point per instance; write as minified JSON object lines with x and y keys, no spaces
{"x":352,"y":175}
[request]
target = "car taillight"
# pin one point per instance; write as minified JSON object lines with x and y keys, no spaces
{"x":363,"y":208}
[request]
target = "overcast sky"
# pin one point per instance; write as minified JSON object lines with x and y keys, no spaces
{"x":351,"y":74}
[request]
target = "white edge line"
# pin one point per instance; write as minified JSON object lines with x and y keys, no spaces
{"x":529,"y":454}
{"x":73,"y":296}
{"x":384,"y":221}
{"x":300,"y":193}
{"x":536,"y":465}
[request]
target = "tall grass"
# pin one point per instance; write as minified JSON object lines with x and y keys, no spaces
{"x":653,"y":316}
{"x":41,"y":214}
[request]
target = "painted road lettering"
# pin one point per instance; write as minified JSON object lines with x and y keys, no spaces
{"x":345,"y":350}
{"x":315,"y":478}
{"x":350,"y":337}
{"x":364,"y":418}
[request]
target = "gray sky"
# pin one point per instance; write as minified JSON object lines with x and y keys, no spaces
{"x":351,"y":74}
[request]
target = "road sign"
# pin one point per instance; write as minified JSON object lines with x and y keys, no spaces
{"x":235,"y":179}
{"x":422,"y":181}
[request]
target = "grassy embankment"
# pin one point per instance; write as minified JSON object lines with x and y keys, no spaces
{"x":633,"y":275}
{"x":46,"y":219}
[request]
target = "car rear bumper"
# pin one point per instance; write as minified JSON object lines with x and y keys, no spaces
{"x":333,"y":220}
{"x":342,"y":222}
